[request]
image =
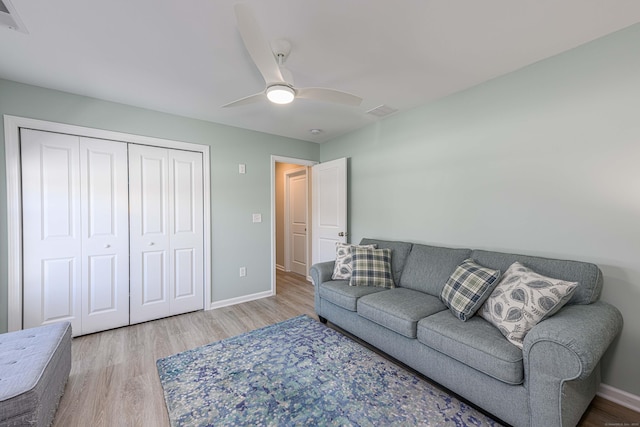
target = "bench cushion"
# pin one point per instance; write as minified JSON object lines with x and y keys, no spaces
{"x":34,"y":368}
{"x":399,"y":309}
{"x":475,"y":343}
{"x":341,"y":294}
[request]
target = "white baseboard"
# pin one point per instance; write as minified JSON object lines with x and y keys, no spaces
{"x":620,"y":397}
{"x":239,"y":300}
{"x":280,"y":267}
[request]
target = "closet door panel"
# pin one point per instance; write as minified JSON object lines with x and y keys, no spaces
{"x":59,"y":285}
{"x":154,"y":284}
{"x":185,"y":283}
{"x":102,"y":291}
{"x":51,"y":229}
{"x":149,"y":233}
{"x":105,"y":234}
{"x":186,"y":238}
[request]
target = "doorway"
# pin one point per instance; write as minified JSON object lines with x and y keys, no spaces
{"x":296,"y":219}
{"x":291,"y":216}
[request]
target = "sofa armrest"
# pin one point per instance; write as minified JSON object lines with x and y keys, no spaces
{"x":562,"y":361}
{"x":584,"y":332}
{"x":321,"y":272}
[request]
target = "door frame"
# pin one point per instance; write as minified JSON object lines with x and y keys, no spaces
{"x":12,"y":125}
{"x":295,"y":161}
{"x":288,"y":174}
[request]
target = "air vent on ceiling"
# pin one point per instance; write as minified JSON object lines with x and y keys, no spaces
{"x":382,"y":110}
{"x":9,"y":17}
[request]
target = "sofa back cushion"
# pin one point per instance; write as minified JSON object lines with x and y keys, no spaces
{"x":588,"y":276}
{"x":399,"y":253}
{"x":428,"y":267}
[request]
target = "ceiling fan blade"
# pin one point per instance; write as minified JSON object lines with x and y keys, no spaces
{"x":328,"y":95}
{"x":256,"y":45}
{"x":251,"y":99}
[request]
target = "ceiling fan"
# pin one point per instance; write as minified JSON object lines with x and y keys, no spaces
{"x":279,"y":82}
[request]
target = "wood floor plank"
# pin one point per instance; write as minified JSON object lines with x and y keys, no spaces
{"x":114,"y":380}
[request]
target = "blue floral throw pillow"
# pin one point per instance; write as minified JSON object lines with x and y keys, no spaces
{"x":371,"y":267}
{"x":468,"y":288}
{"x":522,"y":299}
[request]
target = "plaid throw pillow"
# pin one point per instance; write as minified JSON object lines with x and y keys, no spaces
{"x":468,"y":288}
{"x":371,"y":267}
{"x":344,"y":260}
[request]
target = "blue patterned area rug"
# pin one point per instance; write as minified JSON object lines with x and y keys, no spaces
{"x":300,"y":372}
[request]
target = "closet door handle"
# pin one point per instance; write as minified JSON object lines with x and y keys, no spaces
{"x":151,"y":243}
{"x":107,"y":246}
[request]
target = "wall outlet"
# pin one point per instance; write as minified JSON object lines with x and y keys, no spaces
{"x":242,"y":168}
{"x":257,"y":217}
{"x":243,"y":271}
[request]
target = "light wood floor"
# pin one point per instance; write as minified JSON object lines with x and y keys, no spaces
{"x":114,"y":381}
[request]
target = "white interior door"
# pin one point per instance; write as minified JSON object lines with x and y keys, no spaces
{"x":75,"y":231}
{"x":186,"y":231}
{"x":51,"y":229}
{"x":149,"y":233}
{"x":296,"y":210}
{"x":166,"y":232}
{"x":329,"y":203}
{"x":105,"y":234}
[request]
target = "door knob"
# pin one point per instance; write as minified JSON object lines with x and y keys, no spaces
{"x":150,"y":243}
{"x":107,"y":246}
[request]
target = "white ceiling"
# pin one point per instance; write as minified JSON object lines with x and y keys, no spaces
{"x":187,"y":57}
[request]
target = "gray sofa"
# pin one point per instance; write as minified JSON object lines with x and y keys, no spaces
{"x":549,"y":382}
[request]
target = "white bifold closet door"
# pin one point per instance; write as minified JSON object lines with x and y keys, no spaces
{"x":112,"y":232}
{"x":166,"y":235}
{"x":75,"y":231}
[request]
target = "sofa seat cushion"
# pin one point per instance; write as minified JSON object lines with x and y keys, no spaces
{"x":475,"y":343}
{"x":399,"y":309}
{"x":341,"y":294}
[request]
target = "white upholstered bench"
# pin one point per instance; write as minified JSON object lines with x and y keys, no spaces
{"x":34,"y":368}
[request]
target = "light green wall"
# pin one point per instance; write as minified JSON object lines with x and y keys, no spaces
{"x":236,"y":241}
{"x":543,"y":161}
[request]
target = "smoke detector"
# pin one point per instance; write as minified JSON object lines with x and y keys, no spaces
{"x":9,"y":17}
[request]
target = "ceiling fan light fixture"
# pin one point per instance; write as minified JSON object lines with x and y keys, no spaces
{"x":280,"y":94}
